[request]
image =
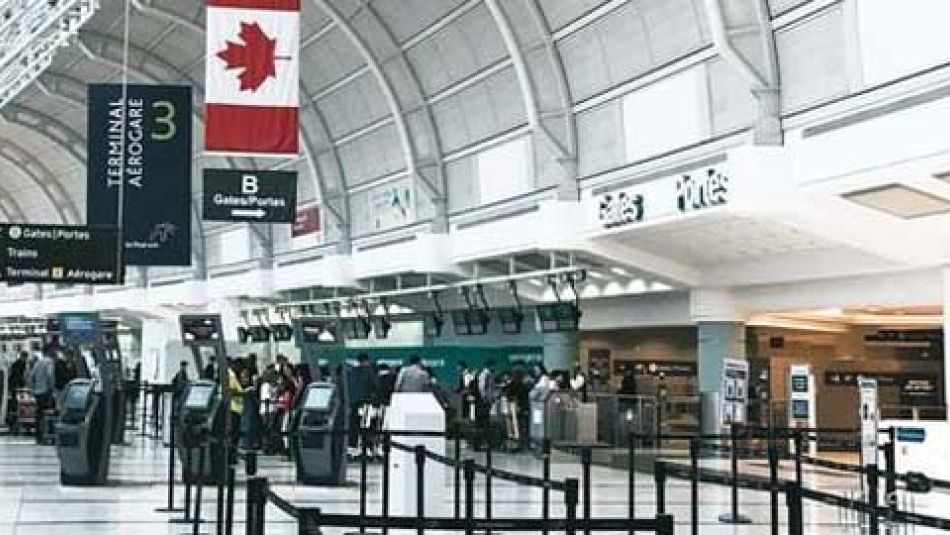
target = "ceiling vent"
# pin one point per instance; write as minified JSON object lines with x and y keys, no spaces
{"x":900,"y":201}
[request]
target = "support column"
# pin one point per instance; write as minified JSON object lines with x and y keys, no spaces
{"x":561,"y":350}
{"x":720,"y":335}
{"x":945,"y":271}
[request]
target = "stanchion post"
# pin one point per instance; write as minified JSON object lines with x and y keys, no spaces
{"x":793,"y":495}
{"x":631,"y":478}
{"x":570,"y":506}
{"x":196,"y":520}
{"x":694,"y":485}
{"x":665,"y":525}
{"x":490,"y":432}
{"x":872,"y":479}
{"x":733,"y":516}
{"x":546,"y":490}
{"x":798,"y":457}
{"x":586,"y":459}
{"x":187,"y":470}
{"x":172,"y":448}
{"x":144,"y":430}
{"x":387,"y":456}
{"x":363,"y":479}
{"x":469,"y":497}
{"x":659,"y":477}
{"x":890,"y":473}
{"x":458,"y":470}
{"x":420,"y":486}
{"x":256,"y":501}
{"x":229,"y":513}
{"x":773,"y":483}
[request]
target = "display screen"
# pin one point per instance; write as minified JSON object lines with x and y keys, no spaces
{"x":199,"y":396}
{"x":799,"y":408}
{"x":319,"y":398}
{"x":200,"y":328}
{"x":799,"y":383}
{"x":77,"y":396}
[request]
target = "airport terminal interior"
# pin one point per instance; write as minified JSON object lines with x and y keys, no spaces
{"x":474,"y":266}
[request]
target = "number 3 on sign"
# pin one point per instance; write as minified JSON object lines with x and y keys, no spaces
{"x":165,"y":128}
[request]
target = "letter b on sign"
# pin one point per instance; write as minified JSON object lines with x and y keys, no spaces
{"x":249,"y":184}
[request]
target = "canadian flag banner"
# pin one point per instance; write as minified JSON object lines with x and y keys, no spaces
{"x":252,"y":77}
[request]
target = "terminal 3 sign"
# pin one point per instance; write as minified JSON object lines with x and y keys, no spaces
{"x":679,"y":194}
{"x":59,"y":254}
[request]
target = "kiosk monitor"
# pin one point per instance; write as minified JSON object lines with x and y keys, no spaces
{"x":318,"y":399}
{"x":199,"y":396}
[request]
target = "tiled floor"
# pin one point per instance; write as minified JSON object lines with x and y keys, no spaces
{"x":32,"y":502}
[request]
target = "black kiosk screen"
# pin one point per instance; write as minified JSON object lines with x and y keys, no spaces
{"x":199,"y":397}
{"x":77,"y":396}
{"x":319,"y":399}
{"x":799,"y":408}
{"x":800,"y":383}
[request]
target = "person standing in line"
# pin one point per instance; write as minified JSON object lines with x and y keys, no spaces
{"x":17,"y":379}
{"x":41,"y":381}
{"x":413,"y":378}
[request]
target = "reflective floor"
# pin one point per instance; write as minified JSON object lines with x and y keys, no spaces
{"x":32,"y":502}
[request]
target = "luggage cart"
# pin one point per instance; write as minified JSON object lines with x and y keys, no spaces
{"x":26,"y":416}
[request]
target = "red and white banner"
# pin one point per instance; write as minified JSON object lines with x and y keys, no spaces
{"x":252,"y":77}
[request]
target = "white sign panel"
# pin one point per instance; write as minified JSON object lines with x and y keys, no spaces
{"x":867,"y":413}
{"x":665,"y":197}
{"x":734,"y":391}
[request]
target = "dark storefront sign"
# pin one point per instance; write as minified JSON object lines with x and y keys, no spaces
{"x":653,"y":367}
{"x":59,"y":254}
{"x":200,"y":328}
{"x":915,"y":388}
{"x":250,"y":196}
{"x":156,"y":169}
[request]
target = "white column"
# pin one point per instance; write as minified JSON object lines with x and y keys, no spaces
{"x":720,"y":335}
{"x":946,"y":337}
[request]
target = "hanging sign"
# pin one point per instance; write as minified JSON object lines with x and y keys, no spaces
{"x":252,"y":68}
{"x":59,"y":254}
{"x":307,"y":222}
{"x":156,"y":169}
{"x":250,"y":196}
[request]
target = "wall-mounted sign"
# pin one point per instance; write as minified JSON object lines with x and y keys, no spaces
{"x":250,"y":196}
{"x":391,"y":206}
{"x":317,"y":331}
{"x":60,"y":254}
{"x":155,"y":140}
{"x":306,"y":222}
{"x":621,"y":208}
{"x":702,"y":189}
{"x":653,"y":367}
{"x":598,"y":362}
{"x":734,"y":391}
{"x":666,"y":197}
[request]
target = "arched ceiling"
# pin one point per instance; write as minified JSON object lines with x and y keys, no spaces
{"x":390,"y":90}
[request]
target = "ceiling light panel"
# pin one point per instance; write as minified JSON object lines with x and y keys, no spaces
{"x":900,"y":201}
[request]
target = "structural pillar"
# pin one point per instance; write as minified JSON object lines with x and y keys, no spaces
{"x":720,"y":335}
{"x":561,"y":350}
{"x":945,"y":272}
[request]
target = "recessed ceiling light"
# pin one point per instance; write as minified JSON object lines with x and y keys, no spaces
{"x":900,"y":201}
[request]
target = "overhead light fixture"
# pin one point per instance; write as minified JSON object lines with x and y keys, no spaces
{"x":619,"y":271}
{"x":597,"y":275}
{"x":900,"y":201}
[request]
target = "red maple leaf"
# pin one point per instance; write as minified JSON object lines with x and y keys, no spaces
{"x":256,"y":56}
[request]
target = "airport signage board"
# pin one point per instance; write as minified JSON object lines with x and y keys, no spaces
{"x":61,"y":254}
{"x":733,"y":393}
{"x":662,"y":198}
{"x":142,"y":145}
{"x":198,"y":328}
{"x":79,"y":328}
{"x":250,"y":196}
{"x":655,"y":367}
{"x":867,"y":414}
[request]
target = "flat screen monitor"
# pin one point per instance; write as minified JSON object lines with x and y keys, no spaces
{"x":800,"y":383}
{"x":558,"y":317}
{"x":319,"y":398}
{"x":799,"y":408}
{"x":77,"y":396}
{"x":199,"y":396}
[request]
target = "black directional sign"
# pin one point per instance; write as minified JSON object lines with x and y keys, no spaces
{"x":250,"y":196}
{"x":59,"y":254}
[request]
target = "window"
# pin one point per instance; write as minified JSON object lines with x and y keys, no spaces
{"x":666,"y":115}
{"x":504,"y":171}
{"x":898,"y":39}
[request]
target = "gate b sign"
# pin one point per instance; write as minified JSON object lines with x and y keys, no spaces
{"x":250,"y":196}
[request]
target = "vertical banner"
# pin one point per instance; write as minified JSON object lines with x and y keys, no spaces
{"x":252,"y":77}
{"x":156,"y":170}
{"x":734,"y":392}
{"x":867,"y":413}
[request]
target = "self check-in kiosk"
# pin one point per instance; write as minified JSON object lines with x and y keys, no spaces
{"x":320,"y":441}
{"x":82,"y":438}
{"x":201,"y":418}
{"x":801,"y":400}
{"x":202,"y":423}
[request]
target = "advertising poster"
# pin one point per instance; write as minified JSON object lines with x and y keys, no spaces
{"x":149,"y":152}
{"x":734,"y":391}
{"x":867,"y":414}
